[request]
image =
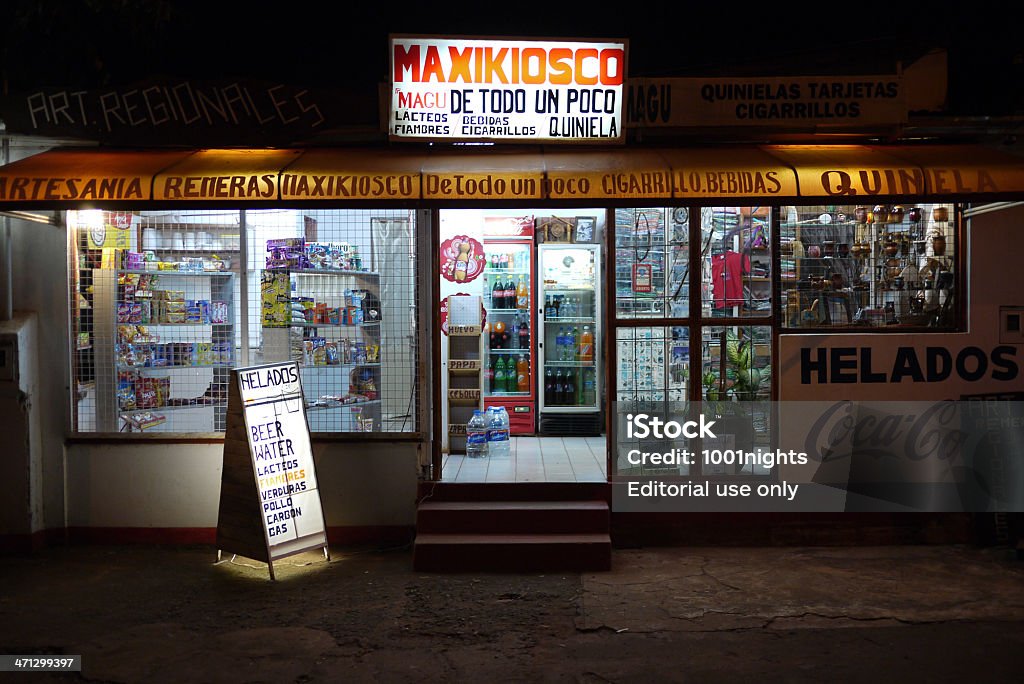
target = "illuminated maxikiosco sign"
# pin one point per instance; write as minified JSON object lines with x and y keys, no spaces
{"x":513,"y":90}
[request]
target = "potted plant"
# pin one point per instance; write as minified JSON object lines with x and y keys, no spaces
{"x":740,"y":381}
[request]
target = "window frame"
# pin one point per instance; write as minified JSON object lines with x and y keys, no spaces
{"x":419,"y":417}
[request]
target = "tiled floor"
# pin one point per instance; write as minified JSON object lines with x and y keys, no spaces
{"x":533,"y":459}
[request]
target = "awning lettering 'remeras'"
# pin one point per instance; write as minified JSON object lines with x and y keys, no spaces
{"x":849,"y":173}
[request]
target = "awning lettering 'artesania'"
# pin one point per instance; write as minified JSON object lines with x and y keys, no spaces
{"x":71,"y":177}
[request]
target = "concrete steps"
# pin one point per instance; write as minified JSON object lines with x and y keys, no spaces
{"x":513,"y":528}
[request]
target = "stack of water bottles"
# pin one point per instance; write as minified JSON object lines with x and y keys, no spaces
{"x":498,"y":443}
{"x":476,"y":435}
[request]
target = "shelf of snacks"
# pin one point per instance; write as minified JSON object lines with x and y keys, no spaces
{"x":321,"y":308}
{"x":151,"y":319}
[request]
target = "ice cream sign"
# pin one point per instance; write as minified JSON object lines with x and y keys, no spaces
{"x":513,"y":90}
{"x":282,"y":459}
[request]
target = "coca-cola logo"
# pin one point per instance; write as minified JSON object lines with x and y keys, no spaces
{"x":921,"y":431}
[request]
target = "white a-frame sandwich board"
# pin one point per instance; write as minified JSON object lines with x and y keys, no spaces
{"x":270,"y":504}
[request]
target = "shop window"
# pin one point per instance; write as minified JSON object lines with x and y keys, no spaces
{"x":652,"y":253}
{"x":652,"y":377}
{"x":735,"y":390}
{"x":736,"y":262}
{"x":885,"y":266}
{"x":157,"y":302}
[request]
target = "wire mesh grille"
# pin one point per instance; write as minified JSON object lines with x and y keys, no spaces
{"x":881,"y":266}
{"x":652,"y":377}
{"x":162,"y":309}
{"x":652,"y":263}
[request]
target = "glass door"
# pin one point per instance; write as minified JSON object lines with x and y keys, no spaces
{"x":570,"y":328}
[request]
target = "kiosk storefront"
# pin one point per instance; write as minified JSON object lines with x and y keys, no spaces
{"x":826,"y":262}
{"x":894,"y":275}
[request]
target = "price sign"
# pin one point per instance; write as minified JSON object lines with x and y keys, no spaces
{"x":271,"y":469}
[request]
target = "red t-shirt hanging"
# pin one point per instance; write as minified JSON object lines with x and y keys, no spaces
{"x":727,"y":271}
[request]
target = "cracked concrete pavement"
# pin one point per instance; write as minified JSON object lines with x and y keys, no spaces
{"x":160,"y":614}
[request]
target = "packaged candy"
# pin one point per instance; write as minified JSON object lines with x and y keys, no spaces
{"x":126,"y":392}
{"x":123,"y":311}
{"x":331,"y":350}
{"x":204,"y":353}
{"x":286,"y":253}
{"x":218,"y":312}
{"x":163,"y":391}
{"x":319,"y":356}
{"x":133,"y":261}
{"x":317,"y":254}
{"x":193,"y":314}
{"x":146,"y":394}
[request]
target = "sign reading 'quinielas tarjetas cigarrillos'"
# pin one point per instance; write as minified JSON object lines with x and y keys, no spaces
{"x":515,"y":90}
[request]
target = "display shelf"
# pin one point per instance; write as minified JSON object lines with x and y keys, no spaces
{"x":324,"y":272}
{"x":570,"y":364}
{"x":306,"y":366}
{"x":329,"y":290}
{"x":222,"y":403}
{"x":505,"y":311}
{"x":570,"y":319}
{"x":307,"y":324}
{"x":465,"y":368}
{"x":123,"y":367}
{"x":176,"y":273}
{"x":314,"y":406}
{"x":111,"y":296}
{"x":488,"y":272}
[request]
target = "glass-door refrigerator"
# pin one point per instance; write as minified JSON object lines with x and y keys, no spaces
{"x":570,"y":339}
{"x":509,"y":339}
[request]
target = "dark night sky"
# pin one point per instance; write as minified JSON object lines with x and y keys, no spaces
{"x":92,"y":43}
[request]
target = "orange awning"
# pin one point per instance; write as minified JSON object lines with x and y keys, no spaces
{"x":77,"y":175}
{"x":618,"y":173}
{"x":218,"y":175}
{"x":478,"y":173}
{"x":324,"y":173}
{"x":837,"y":171}
{"x":767,"y":174}
{"x":729,"y":172}
{"x":970,"y":169}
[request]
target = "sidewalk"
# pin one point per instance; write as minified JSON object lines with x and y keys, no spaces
{"x":949,"y":614}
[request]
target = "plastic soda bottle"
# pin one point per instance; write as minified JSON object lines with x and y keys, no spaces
{"x":587,"y":345}
{"x":489,"y":378}
{"x":522,"y":374}
{"x":522,"y":295}
{"x":476,"y":435}
{"x":499,"y":375}
{"x":589,"y":387}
